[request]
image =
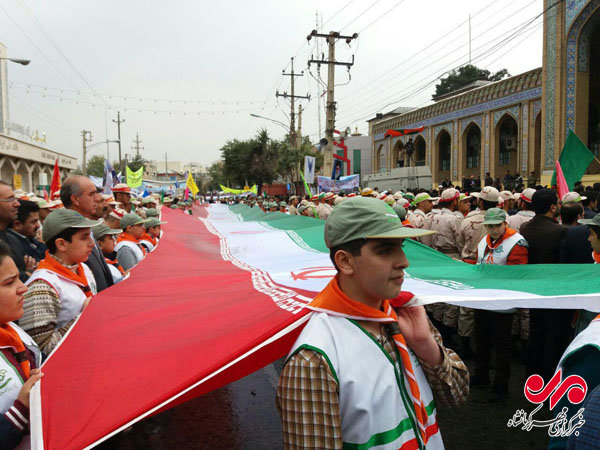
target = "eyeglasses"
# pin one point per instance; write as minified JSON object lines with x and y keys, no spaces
{"x":8,"y":200}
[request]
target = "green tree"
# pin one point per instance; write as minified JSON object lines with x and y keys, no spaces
{"x":290,"y":160}
{"x":136,"y":162}
{"x":95,"y":166}
{"x":465,"y":75}
{"x":252,"y":161}
{"x":216,"y":176}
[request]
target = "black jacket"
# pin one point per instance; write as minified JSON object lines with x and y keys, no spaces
{"x":10,"y":239}
{"x":101,"y":272}
{"x":575,"y":247}
{"x":544,"y":237}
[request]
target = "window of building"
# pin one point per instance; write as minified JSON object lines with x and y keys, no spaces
{"x":356,"y":162}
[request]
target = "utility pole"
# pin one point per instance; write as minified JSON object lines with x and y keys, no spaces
{"x":299,"y":135}
{"x":331,"y":39}
{"x":87,"y":137}
{"x":119,"y":121}
{"x":166,"y":168}
{"x":292,"y":106}
{"x":137,"y":147}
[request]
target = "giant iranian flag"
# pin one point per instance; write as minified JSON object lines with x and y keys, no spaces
{"x":223,"y":296}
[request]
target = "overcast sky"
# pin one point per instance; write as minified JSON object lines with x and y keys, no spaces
{"x":186,"y":74}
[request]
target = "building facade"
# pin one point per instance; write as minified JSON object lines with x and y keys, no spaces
{"x":518,"y":124}
{"x":492,"y":129}
{"x":31,"y":165}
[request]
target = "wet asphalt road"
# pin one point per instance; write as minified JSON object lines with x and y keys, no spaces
{"x":242,"y":415}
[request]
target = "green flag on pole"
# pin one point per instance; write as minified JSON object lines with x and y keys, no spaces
{"x":574,"y":159}
{"x":305,"y":184}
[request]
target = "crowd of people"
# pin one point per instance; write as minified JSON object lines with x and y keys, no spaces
{"x":486,"y":226}
{"x":54,"y":257}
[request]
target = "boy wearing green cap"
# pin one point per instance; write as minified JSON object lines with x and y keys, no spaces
{"x":363,"y":371}
{"x":152,"y":234}
{"x":129,"y":248}
{"x":500,"y":246}
{"x":61,"y":286}
{"x":105,"y":237}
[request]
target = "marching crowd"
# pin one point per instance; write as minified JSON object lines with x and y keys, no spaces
{"x":54,"y":257}
{"x":533,"y":226}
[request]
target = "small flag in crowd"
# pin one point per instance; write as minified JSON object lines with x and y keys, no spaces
{"x":191,"y":185}
{"x":403,"y":132}
{"x":574,"y":160}
{"x":55,"y":185}
{"x":561,"y":183}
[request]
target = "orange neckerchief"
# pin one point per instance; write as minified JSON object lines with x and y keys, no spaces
{"x":128,"y":237}
{"x":115,"y":263}
{"x":490,"y":254}
{"x":332,"y":300}
{"x":596,"y":256}
{"x":152,"y":239}
{"x":50,"y":263}
{"x":10,"y":338}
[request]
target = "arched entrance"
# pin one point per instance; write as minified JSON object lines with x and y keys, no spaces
{"x":420,"y":148}
{"x":443,"y":147}
{"x":472,"y":156}
{"x":381,"y":158}
{"x":398,"y":154}
{"x":507,"y":146}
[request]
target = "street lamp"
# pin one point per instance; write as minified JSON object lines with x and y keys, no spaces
{"x":287,"y":127}
{"x":86,"y":148}
{"x":23,"y":62}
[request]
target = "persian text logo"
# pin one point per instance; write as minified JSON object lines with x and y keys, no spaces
{"x":536,"y":392}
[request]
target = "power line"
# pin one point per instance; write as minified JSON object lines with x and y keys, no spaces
{"x":416,"y":65}
{"x":37,"y":48}
{"x":138,"y":99}
{"x":58,"y":49}
{"x":42,"y":116}
{"x":519,"y":30}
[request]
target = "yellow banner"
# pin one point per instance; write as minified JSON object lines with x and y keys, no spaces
{"x":253,"y":189}
{"x":191,"y":185}
{"x":134,"y":179}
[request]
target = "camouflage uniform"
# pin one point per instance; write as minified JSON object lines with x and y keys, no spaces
{"x":419,"y":219}
{"x":470,"y":234}
{"x":516,"y":221}
{"x":447,"y":226}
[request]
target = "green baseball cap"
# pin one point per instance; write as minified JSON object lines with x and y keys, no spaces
{"x":173,"y":206}
{"x":102,"y":230}
{"x":151,"y":212}
{"x":409,"y":196}
{"x":148,"y":199}
{"x":366,"y":218}
{"x":152,"y":222}
{"x":424,"y":196}
{"x":594,"y":221}
{"x":131,"y":219}
{"x":282,"y":204}
{"x":400,"y":210}
{"x":60,"y":220}
{"x":494,"y":216}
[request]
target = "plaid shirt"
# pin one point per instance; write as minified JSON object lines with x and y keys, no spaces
{"x":307,"y":394}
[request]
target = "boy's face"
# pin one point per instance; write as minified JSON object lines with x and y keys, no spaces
{"x":378,"y":272}
{"x":496,"y":231}
{"x":79,"y":249}
{"x":107,"y":244}
{"x":594,"y":240}
{"x":154,"y":231}
{"x":464,"y":207}
{"x":136,"y":230}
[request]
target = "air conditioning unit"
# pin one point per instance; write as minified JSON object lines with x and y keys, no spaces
{"x":511,"y":143}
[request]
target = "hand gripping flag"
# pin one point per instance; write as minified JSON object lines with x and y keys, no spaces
{"x":191,"y":185}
